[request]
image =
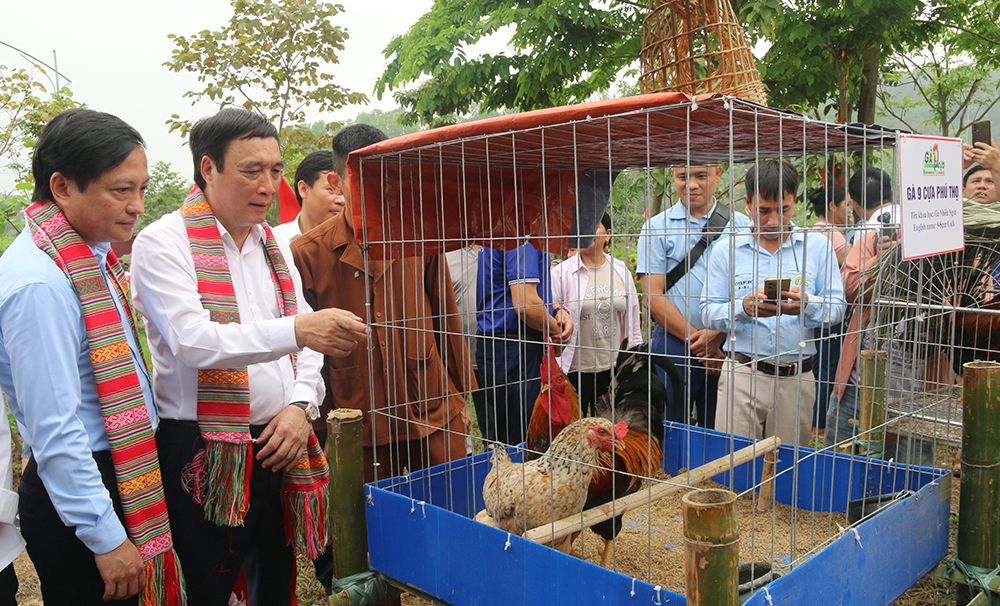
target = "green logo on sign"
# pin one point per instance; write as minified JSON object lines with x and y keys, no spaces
{"x":933,"y":165}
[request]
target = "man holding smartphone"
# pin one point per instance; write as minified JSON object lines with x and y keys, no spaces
{"x":982,"y":159}
{"x":767,"y":386}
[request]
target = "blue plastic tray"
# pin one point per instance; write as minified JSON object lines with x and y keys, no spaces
{"x":420,"y":532}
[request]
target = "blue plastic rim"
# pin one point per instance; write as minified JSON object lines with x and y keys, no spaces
{"x":420,"y":532}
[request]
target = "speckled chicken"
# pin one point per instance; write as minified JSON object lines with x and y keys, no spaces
{"x":522,"y":496}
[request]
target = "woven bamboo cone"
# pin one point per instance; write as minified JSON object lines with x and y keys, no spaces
{"x":698,"y":47}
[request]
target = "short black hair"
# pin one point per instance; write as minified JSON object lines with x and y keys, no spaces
{"x":870,"y":188}
{"x":351,"y":138}
{"x":975,"y":168}
{"x":766,"y":177}
{"x":310,"y":168}
{"x":81,"y":144}
{"x":211,"y":136}
{"x":821,"y":197}
{"x":606,"y":221}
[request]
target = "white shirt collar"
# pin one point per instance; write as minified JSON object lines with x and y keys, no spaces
{"x":256,"y":235}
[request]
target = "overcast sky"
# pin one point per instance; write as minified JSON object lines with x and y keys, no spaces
{"x":113,"y":52}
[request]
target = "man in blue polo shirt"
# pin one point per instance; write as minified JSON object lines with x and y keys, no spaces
{"x":514,"y":311}
{"x":667,"y":262}
{"x":767,"y":385}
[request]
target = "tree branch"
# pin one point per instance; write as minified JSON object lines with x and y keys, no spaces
{"x":625,"y":32}
{"x":961,"y":29}
{"x":638,"y":5}
{"x":892,"y":113}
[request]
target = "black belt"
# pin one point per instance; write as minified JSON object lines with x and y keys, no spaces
{"x":778,"y":370}
{"x":255,"y":430}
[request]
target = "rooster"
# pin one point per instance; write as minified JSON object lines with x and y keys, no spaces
{"x":556,"y":406}
{"x":522,"y":496}
{"x":638,"y":399}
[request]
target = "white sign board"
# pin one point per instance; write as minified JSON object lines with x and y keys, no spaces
{"x":930,"y":193}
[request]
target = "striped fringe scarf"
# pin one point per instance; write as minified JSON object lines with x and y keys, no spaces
{"x":219,"y":477}
{"x":133,"y":449}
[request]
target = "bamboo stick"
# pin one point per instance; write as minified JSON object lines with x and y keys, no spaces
{"x":871,"y":421}
{"x":711,"y":547}
{"x":348,"y":532}
{"x":978,"y":522}
{"x":983,"y":599}
{"x":765,"y":499}
{"x":550,"y":533}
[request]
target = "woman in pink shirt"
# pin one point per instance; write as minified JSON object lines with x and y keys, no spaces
{"x":599,"y":293}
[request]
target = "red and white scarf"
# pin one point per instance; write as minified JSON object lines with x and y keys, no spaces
{"x":126,"y":420}
{"x":219,"y":477}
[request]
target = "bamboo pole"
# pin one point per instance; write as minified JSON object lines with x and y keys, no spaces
{"x":983,"y":599}
{"x":348,"y":532}
{"x":550,"y":533}
{"x":711,"y":547}
{"x":765,"y":498}
{"x":871,"y":421}
{"x":978,"y":540}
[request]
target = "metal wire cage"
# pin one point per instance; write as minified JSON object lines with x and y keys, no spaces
{"x":545,"y":178}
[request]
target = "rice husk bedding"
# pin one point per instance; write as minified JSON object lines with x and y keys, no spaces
{"x":657,"y":556}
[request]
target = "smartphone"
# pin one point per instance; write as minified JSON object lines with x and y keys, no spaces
{"x":981,"y":132}
{"x":774,"y":286}
{"x":887,"y":229}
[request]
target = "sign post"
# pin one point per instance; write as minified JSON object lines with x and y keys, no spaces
{"x":930,"y":176}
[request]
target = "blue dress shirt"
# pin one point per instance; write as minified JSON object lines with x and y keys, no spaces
{"x":48,"y":378}
{"x":666,"y":240}
{"x":498,"y":269}
{"x":739,"y":266}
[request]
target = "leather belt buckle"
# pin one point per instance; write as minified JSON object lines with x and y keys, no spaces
{"x":787,"y":370}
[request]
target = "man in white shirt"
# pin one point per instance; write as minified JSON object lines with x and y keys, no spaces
{"x":870,"y":194}
{"x":234,"y":398}
{"x":316,"y":196}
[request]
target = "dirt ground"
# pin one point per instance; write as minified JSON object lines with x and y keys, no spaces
{"x":764,"y":538}
{"x":650,"y":546}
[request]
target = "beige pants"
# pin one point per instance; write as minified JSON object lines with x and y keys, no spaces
{"x":754,"y":404}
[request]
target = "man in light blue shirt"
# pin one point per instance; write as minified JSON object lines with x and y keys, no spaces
{"x":666,"y":243}
{"x":93,"y":166}
{"x":767,"y":385}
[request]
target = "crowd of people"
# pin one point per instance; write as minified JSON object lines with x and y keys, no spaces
{"x":204,"y":472}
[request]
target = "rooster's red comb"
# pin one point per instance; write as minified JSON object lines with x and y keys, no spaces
{"x":621,"y":429}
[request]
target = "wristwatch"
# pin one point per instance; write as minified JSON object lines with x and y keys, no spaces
{"x":311,"y":410}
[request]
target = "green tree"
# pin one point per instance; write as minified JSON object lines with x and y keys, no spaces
{"x":303,"y":139}
{"x":25,"y":108}
{"x":389,"y":122}
{"x":827,"y":55}
{"x":165,"y":194}
{"x":559,"y":52}
{"x":300,"y":140}
{"x":823,"y":56}
{"x":957,"y":91}
{"x":272,"y":58}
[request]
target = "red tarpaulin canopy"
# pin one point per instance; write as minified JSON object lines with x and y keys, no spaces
{"x":496,"y":181}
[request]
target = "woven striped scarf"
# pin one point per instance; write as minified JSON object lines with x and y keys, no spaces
{"x":219,"y":477}
{"x":133,"y":449}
